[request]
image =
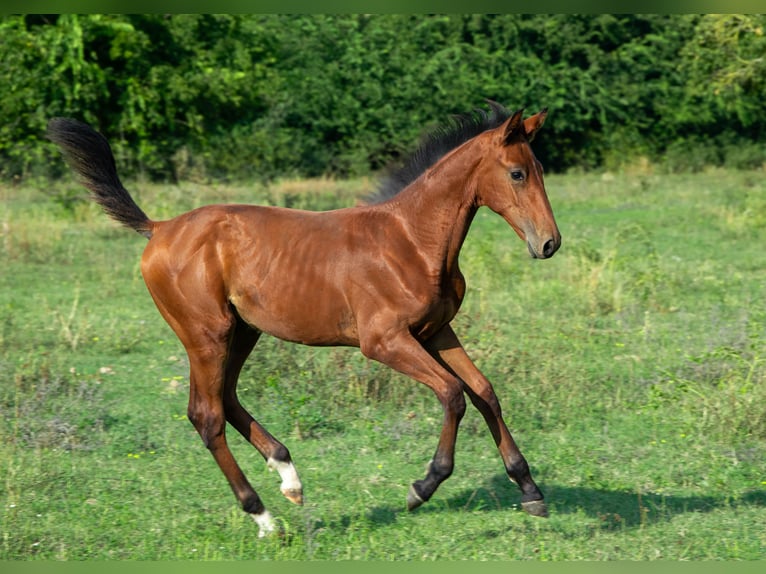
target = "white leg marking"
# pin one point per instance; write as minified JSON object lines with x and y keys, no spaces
{"x":291,"y":484}
{"x":265,"y":523}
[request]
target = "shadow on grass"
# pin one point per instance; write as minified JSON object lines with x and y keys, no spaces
{"x":613,"y":507}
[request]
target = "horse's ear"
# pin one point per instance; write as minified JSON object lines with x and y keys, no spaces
{"x":534,"y":123}
{"x":514,"y":127}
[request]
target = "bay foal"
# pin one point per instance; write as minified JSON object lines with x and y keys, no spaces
{"x":383,"y":277}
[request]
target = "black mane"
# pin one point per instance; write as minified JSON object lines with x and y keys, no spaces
{"x":436,"y":145}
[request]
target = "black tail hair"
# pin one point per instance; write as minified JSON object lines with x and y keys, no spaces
{"x":88,"y":153}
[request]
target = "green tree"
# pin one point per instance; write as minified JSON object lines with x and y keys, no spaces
{"x":44,"y":73}
{"x":259,"y":96}
{"x":725,"y":60}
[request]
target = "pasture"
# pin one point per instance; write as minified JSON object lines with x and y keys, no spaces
{"x":631,"y":367}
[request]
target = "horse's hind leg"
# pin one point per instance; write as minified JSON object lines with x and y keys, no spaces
{"x":276,"y":454}
{"x":208,"y":331}
{"x":207,"y":413}
{"x":189,"y":293}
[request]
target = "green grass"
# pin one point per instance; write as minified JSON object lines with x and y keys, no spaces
{"x":631,"y":367}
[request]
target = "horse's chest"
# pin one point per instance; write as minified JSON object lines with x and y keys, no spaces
{"x":442,"y":308}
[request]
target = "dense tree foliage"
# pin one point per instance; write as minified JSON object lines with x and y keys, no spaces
{"x":259,"y":96}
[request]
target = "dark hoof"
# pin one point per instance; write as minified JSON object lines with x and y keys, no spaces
{"x":535,"y":508}
{"x":413,"y":499}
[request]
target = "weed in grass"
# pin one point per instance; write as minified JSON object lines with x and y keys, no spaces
{"x":71,"y":325}
{"x":46,"y":407}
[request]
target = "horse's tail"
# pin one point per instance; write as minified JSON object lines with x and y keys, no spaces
{"x":90,"y":156}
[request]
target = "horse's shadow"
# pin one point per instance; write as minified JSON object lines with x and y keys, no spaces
{"x":615,"y":508}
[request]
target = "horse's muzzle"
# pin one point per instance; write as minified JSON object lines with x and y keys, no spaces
{"x":547,"y":250}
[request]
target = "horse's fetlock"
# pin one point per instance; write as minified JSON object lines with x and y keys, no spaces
{"x":441,"y":469}
{"x":253,"y":504}
{"x":518,"y":470}
{"x":281,"y":454}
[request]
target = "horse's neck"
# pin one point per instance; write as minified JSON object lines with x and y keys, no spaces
{"x":438,"y":207}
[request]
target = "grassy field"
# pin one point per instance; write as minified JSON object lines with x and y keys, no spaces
{"x":631,"y":367}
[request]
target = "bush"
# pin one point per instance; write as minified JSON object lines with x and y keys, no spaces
{"x":261,"y":96}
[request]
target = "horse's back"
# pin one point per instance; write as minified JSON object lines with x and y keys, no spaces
{"x":284,"y":271}
{"x":316,"y":278}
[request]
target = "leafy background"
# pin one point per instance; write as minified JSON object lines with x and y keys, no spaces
{"x":249,"y":96}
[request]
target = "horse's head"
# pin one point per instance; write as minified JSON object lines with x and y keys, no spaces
{"x":510,"y":182}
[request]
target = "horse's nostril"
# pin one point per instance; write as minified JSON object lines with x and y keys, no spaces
{"x":549,"y":248}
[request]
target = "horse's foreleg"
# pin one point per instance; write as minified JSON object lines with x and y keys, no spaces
{"x":447,"y":349}
{"x":276,"y":454}
{"x":405,"y":354}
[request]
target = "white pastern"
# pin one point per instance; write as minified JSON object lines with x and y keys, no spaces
{"x":265,"y":522}
{"x":291,"y":484}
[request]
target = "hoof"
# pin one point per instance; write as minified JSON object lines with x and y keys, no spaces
{"x":294,"y":495}
{"x":413,"y":499}
{"x":535,"y":508}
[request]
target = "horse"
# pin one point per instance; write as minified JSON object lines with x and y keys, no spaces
{"x":382,"y":276}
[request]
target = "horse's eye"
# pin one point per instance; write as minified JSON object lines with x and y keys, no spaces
{"x":517,"y":175}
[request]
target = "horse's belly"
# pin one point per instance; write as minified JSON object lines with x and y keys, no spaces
{"x":299,"y":318}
